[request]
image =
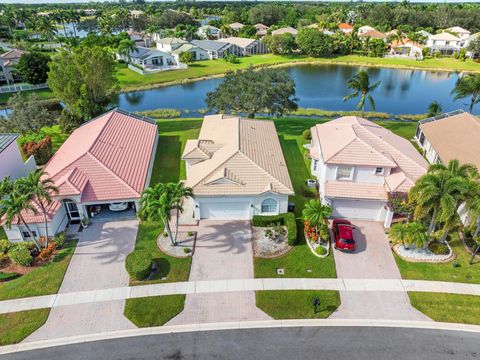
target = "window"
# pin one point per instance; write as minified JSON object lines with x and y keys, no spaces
{"x":422,"y":139}
{"x":269,"y":206}
{"x":379,"y":171}
{"x":26,"y":234}
{"x":315,"y":165}
{"x":344,"y":173}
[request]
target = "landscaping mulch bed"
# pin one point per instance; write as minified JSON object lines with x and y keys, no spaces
{"x":264,"y":247}
{"x":422,"y":255}
{"x":185,"y":244}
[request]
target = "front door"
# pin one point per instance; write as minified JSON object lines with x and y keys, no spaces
{"x":72,"y":210}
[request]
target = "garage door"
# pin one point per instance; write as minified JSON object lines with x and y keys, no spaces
{"x":225,"y":210}
{"x":351,"y":209}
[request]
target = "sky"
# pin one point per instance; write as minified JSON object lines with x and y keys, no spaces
{"x":85,"y":1}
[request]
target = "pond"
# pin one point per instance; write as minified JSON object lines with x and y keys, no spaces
{"x":321,"y":86}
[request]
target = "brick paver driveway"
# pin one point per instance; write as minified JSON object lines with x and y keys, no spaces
{"x":223,"y":251}
{"x":372,"y":259}
{"x":98,"y":263}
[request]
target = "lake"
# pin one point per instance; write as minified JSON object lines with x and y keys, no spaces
{"x":323,"y":87}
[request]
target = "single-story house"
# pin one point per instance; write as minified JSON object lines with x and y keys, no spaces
{"x":285,"y":30}
{"x":106,"y":160}
{"x":150,"y":59}
{"x":373,"y":34}
{"x":236,"y":169}
{"x":236,"y":26}
{"x":261,"y":29}
{"x":209,"y":32}
{"x":244,"y":46}
{"x":169,"y":44}
{"x":358,"y":163}
{"x":8,"y":60}
{"x":460,"y":32}
{"x":406,"y":47}
{"x":444,"y":42}
{"x":216,"y":49}
{"x":197,"y":52}
{"x":11,"y":160}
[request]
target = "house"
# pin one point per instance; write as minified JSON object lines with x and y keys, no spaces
{"x":345,"y":28}
{"x":8,"y":61}
{"x":424,"y":33}
{"x":406,"y":47}
{"x":285,"y":30}
{"x":209,"y":32}
{"x":373,"y":34}
{"x":135,"y":14}
{"x":197,"y":52}
{"x":140,"y":39}
{"x":358,"y":163}
{"x":106,"y":160}
{"x":216,"y":49}
{"x":11,"y":158}
{"x":143,"y":59}
{"x":244,"y":46}
{"x":236,"y":169}
{"x":364,"y":29}
{"x":453,"y":135}
{"x":444,"y":42}
{"x":261,"y":29}
{"x":461,"y":33}
{"x":236,"y":26}
{"x":169,"y":44}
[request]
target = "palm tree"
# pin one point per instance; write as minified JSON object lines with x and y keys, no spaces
{"x":398,"y":233}
{"x":179,"y":192}
{"x":417,"y":234}
{"x":60,"y":17}
{"x":360,"y":84}
{"x":74,"y":17}
{"x":126,"y":47}
{"x":466,"y":171}
{"x":315,"y":213}
{"x":40,"y":188}
{"x":226,"y":30}
{"x":156,"y":205}
{"x":473,"y":205}
{"x":6,"y":186}
{"x":434,"y":109}
{"x":46,"y":27}
{"x":11,"y":208}
{"x":468,"y":85}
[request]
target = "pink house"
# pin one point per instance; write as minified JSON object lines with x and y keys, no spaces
{"x":106,"y":161}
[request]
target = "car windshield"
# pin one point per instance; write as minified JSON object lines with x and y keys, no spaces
{"x":347,"y":241}
{"x":346,"y":235}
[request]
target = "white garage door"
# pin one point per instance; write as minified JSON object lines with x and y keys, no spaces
{"x":225,"y":210}
{"x":351,"y":209}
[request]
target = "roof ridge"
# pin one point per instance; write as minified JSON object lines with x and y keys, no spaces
{"x":371,"y":147}
{"x":336,"y":153}
{"x":214,"y":170}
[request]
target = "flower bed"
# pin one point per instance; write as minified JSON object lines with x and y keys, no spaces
{"x":185,"y":244}
{"x":468,"y":242}
{"x":270,"y":241}
{"x":319,"y":243}
{"x":413,"y":254}
{"x":287,"y":219}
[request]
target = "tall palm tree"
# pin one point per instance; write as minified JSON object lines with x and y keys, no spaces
{"x":74,"y":17}
{"x":434,"y":109}
{"x":40,"y":188}
{"x":468,"y":85}
{"x":59,"y":17}
{"x":316,"y":213}
{"x":11,"y":208}
{"x":6,"y":186}
{"x":46,"y":27}
{"x":126,"y":47}
{"x":360,"y":84}
{"x":473,"y":205}
{"x":466,"y":171}
{"x":179,"y":192}
{"x":156,"y":205}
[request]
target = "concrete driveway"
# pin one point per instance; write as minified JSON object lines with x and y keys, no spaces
{"x":223,"y":251}
{"x":372,"y":259}
{"x":98,"y":263}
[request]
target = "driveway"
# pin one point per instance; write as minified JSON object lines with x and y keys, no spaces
{"x":223,"y":251}
{"x":372,"y":259}
{"x":98,"y":263}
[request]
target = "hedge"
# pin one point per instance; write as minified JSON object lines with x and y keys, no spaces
{"x":139,"y":264}
{"x":287,"y":219}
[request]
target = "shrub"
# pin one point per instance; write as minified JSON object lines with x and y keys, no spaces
{"x":139,"y":264}
{"x":287,"y":219}
{"x":47,"y":252}
{"x":320,"y":250}
{"x":5,"y":245}
{"x":8,"y":276}
{"x":307,"y":134}
{"x":20,"y":255}
{"x":438,"y":248}
{"x":59,"y":240}
{"x":42,"y":150}
{"x":3,"y":259}
{"x":324,"y":232}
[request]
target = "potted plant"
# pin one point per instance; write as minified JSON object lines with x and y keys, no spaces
{"x":85,"y":221}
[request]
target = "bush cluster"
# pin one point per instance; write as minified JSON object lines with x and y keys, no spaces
{"x":42,"y":150}
{"x":59,"y":240}
{"x":287,"y":219}
{"x":139,"y":264}
{"x":20,"y":254}
{"x":320,"y":250}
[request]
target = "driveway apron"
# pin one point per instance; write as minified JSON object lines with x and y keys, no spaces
{"x":98,"y":263}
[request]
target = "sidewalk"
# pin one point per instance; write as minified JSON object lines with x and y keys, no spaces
{"x":235,"y":285}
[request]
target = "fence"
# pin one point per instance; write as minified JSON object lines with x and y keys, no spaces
{"x":17,"y":88}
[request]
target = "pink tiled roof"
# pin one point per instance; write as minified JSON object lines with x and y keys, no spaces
{"x":348,"y":189}
{"x":30,"y":217}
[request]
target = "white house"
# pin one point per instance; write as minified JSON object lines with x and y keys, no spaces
{"x":11,"y":160}
{"x":106,"y":160}
{"x":197,"y":52}
{"x":245,"y":46}
{"x":151,"y":60}
{"x":135,"y":14}
{"x":8,"y":61}
{"x":168,"y":44}
{"x":365,"y":29}
{"x":209,"y":32}
{"x":236,"y":169}
{"x":444,"y":42}
{"x":216,"y":49}
{"x":407,"y":48}
{"x":358,"y":163}
{"x":345,"y":28}
{"x":461,"y":33}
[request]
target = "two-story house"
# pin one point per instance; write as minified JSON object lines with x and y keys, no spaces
{"x":445,"y":43}
{"x":358,"y":163}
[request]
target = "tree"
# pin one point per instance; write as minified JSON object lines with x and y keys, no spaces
{"x":412,"y":233}
{"x":179,"y":192}
{"x":251,"y":91}
{"x":377,"y":48}
{"x":455,"y":168}
{"x":360,"y":84}
{"x":434,"y":109}
{"x":314,"y":43}
{"x":280,"y":44}
{"x":40,"y":188}
{"x":474,"y":46}
{"x":28,"y":115}
{"x":316,"y":213}
{"x":268,"y":14}
{"x":248,"y":31}
{"x":186,"y":57}
{"x":6,"y":186}
{"x":398,"y":233}
{"x":126,"y":47}
{"x":468,"y":85}
{"x":46,"y":28}
{"x":33,"y":67}
{"x":83,"y":80}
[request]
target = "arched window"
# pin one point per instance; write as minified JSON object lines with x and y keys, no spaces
{"x":269,"y":206}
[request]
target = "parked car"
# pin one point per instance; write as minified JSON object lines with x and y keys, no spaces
{"x":343,"y":232}
{"x":120,"y":206}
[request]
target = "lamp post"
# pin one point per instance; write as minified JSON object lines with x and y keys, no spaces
{"x":315,"y":303}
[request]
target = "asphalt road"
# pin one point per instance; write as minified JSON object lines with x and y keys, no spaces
{"x":338,"y":343}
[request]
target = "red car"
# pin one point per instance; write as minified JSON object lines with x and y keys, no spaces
{"x":343,"y":231}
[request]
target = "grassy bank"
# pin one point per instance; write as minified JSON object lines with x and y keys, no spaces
{"x":14,"y":327}
{"x":153,"y":310}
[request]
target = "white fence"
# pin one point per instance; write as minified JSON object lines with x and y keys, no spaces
{"x":155,"y":70}
{"x":17,"y":88}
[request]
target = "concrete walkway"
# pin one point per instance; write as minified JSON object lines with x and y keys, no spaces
{"x":372,"y":259}
{"x":235,"y":285}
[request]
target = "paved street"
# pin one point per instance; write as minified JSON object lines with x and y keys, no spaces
{"x":339,"y":343}
{"x":223,"y":251}
{"x":372,"y":259}
{"x":98,"y":263}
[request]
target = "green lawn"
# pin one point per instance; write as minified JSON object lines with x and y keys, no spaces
{"x":154,"y":310}
{"x":15,"y":327}
{"x":42,"y":93}
{"x":448,"y":307}
{"x":443,"y":272}
{"x":58,"y":137}
{"x":44,"y":280}
{"x":297,"y":304}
